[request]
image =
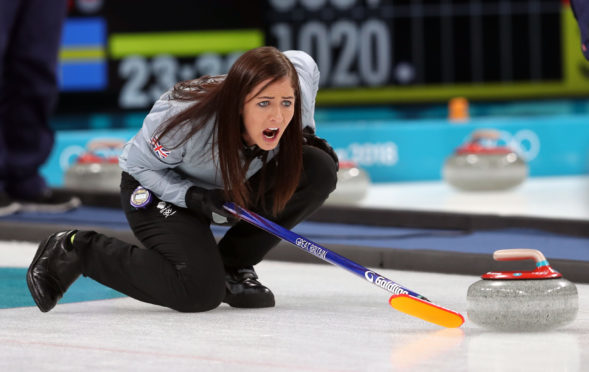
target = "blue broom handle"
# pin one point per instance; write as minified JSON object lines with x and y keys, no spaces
{"x":319,"y":251}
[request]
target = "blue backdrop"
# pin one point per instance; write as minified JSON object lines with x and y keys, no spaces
{"x":405,"y":150}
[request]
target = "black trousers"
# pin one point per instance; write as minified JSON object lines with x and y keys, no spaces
{"x":180,"y":265}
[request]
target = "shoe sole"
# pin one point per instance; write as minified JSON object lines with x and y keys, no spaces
{"x":32,"y":288}
{"x":251,"y":301}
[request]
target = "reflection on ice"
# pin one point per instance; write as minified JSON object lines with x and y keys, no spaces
{"x":550,"y":351}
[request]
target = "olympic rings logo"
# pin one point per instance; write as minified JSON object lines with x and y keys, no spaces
{"x":525,"y":143}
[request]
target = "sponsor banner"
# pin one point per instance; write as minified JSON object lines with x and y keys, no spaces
{"x":405,"y":150}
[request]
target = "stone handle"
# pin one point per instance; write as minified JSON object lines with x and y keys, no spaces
{"x":520,"y":254}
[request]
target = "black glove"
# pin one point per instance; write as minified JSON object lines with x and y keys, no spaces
{"x":309,"y":138}
{"x":208,"y":202}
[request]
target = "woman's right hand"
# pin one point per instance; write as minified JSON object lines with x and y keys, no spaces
{"x":207,"y":202}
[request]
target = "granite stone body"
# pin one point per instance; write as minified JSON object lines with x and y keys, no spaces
{"x":522,"y":305}
{"x":352,"y":185}
{"x":98,"y":176}
{"x":485,"y":172}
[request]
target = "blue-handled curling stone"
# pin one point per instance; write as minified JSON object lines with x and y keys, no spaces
{"x":522,"y":300}
{"x":482,"y":164}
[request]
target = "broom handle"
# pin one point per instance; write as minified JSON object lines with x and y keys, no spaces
{"x":320,"y":252}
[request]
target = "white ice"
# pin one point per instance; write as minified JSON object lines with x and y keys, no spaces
{"x":325,"y":320}
{"x":545,"y":197}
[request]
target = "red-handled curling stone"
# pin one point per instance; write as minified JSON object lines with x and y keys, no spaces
{"x":481,"y":164}
{"x":522,"y":300}
{"x":97,"y":169}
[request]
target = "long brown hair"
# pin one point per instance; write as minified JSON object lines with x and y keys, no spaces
{"x":223,"y":99}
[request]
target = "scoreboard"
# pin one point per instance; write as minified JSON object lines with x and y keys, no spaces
{"x":124,"y":54}
{"x":431,"y":50}
{"x":405,"y":42}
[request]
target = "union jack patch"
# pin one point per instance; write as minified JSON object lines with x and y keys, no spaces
{"x":159,"y":150}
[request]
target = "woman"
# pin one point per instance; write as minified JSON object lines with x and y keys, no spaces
{"x":245,"y":137}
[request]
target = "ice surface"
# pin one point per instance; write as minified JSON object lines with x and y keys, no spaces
{"x":325,"y":320}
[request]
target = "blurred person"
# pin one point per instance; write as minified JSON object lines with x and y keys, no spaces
{"x":581,"y":12}
{"x":247,"y":137}
{"x":30,"y":35}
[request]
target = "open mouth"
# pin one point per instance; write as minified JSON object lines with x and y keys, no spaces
{"x":270,"y":133}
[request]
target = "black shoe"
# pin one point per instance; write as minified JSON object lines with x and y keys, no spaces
{"x":7,"y":205}
{"x":55,"y":267}
{"x":49,"y":202}
{"x":244,"y":290}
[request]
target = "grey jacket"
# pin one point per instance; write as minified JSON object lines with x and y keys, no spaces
{"x":169,"y":172}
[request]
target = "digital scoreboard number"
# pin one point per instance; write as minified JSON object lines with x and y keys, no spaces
{"x":180,"y":41}
{"x":351,"y":47}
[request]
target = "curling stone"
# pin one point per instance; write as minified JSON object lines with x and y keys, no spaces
{"x":352,"y":184}
{"x":522,"y":300}
{"x":482,"y":164}
{"x":97,"y":169}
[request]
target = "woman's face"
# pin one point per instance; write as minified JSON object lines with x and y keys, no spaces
{"x":267,"y":113}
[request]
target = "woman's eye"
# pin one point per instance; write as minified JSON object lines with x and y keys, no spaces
{"x":286,"y":103}
{"x":263,"y":103}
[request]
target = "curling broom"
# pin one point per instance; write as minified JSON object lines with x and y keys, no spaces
{"x":403,"y":299}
